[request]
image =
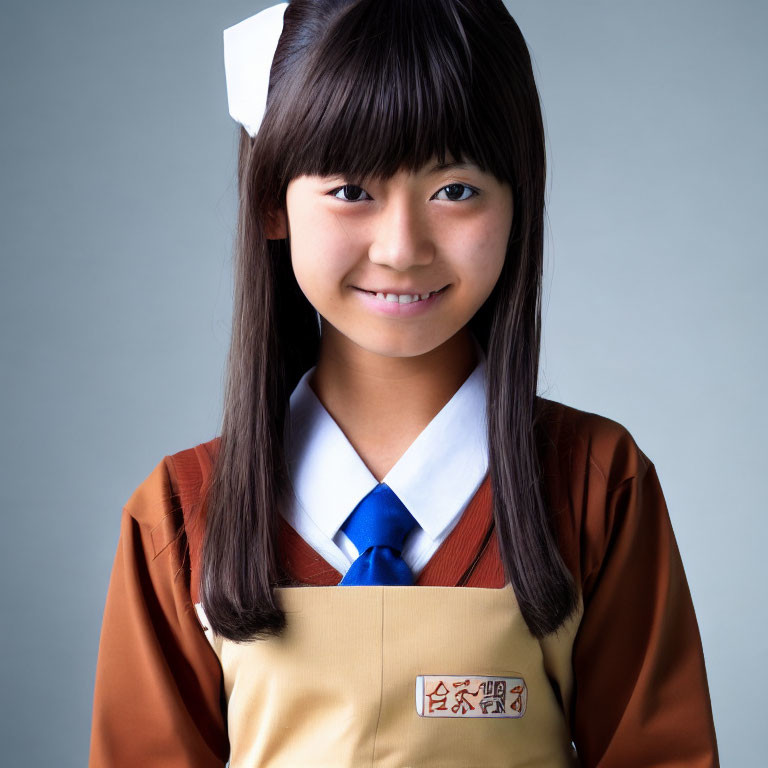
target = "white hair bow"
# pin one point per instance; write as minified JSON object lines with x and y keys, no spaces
{"x":249,"y":48}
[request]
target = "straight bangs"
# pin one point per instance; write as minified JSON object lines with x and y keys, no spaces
{"x":389,"y":86}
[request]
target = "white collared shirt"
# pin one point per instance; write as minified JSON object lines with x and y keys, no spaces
{"x":435,"y":478}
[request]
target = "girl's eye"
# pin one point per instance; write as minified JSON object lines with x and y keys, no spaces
{"x":456,"y":189}
{"x":350,"y":190}
{"x":455,"y":192}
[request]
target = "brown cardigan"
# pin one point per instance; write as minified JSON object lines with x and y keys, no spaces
{"x":640,"y":688}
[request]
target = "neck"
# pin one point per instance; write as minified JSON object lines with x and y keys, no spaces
{"x":383,"y":403}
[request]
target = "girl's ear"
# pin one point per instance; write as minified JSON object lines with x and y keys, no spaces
{"x":277,"y":225}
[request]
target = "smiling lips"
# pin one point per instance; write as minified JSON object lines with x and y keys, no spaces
{"x":401,"y":305}
{"x":401,"y":296}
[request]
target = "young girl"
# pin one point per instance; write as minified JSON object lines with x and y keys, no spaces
{"x":396,"y":553}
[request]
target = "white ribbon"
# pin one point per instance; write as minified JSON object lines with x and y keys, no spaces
{"x":249,"y":48}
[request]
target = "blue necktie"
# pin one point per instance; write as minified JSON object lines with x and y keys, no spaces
{"x":378,"y":527}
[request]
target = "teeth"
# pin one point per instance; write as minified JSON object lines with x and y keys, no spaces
{"x":404,"y":298}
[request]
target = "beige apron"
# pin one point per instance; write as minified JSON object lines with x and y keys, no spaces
{"x":339,"y":688}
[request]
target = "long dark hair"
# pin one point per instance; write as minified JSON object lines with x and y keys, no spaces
{"x":365,"y":88}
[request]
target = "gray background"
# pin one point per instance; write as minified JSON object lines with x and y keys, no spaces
{"x":118,"y":168}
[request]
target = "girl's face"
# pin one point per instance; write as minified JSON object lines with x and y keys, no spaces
{"x":441,"y":229}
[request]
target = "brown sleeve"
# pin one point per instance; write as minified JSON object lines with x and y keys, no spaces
{"x":158,"y":692}
{"x":641,"y":696}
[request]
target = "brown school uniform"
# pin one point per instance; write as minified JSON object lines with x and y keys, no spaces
{"x":624,"y":678}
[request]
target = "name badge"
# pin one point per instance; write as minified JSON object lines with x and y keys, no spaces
{"x":470,"y":696}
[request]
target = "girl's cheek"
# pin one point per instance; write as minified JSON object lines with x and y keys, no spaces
{"x":318,"y":277}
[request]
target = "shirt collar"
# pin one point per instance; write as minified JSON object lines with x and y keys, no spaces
{"x":435,"y":478}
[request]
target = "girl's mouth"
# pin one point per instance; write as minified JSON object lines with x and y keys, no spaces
{"x":402,"y":306}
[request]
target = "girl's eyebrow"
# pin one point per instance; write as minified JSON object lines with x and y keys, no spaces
{"x":434,"y":169}
{"x":444,"y":166}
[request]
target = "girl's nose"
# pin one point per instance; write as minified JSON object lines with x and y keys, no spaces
{"x":402,"y":236}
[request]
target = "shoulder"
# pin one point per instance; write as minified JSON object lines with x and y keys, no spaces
{"x":590,"y":444}
{"x":175,"y":476}
{"x":191,"y":468}
{"x":168,"y":499}
{"x":591,"y":467}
